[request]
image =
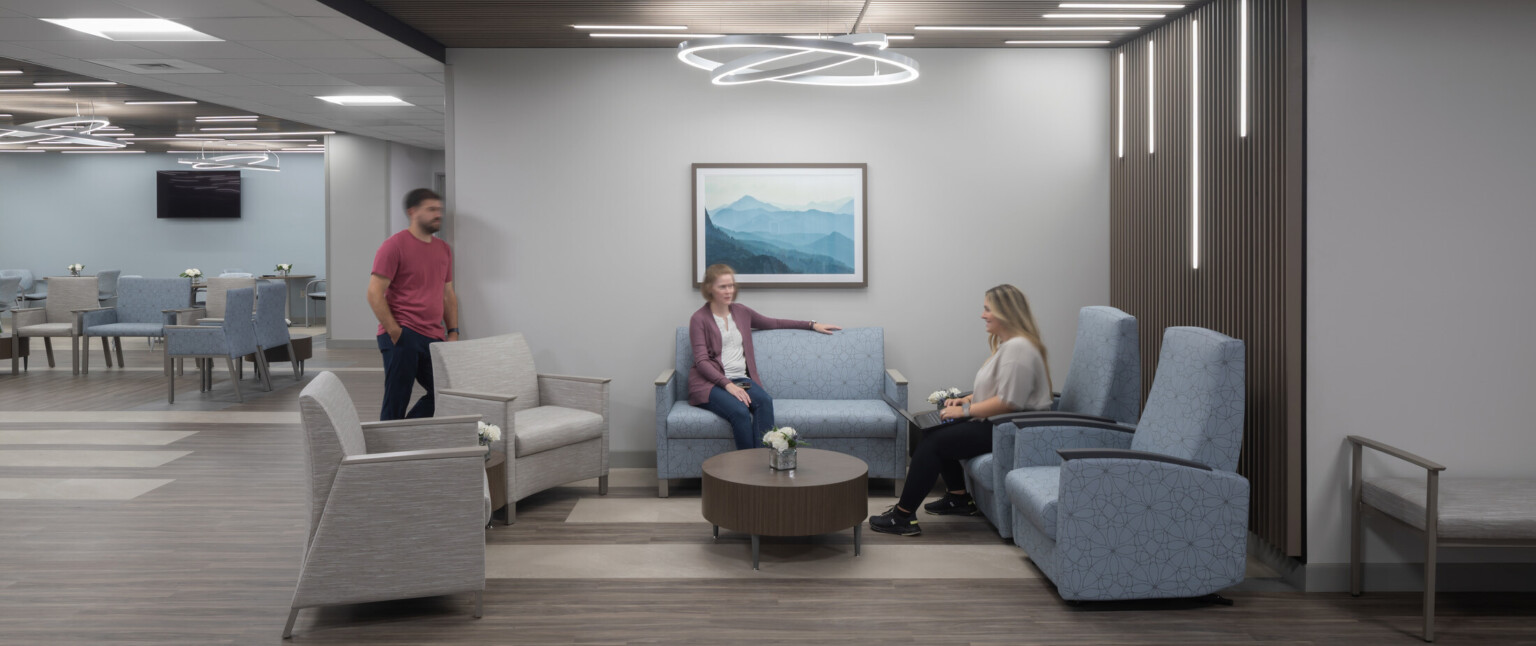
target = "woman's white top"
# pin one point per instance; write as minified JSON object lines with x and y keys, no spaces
{"x":732,"y":356}
{"x":1016,"y":373}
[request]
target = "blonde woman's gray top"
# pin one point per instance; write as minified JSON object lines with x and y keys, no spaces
{"x":1016,"y":373}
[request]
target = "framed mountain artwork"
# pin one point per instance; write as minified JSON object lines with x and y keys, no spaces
{"x":782,"y":225}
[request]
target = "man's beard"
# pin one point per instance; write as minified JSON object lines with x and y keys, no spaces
{"x":432,"y":227}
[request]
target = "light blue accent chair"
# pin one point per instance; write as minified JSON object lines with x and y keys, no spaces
{"x":106,"y":287}
{"x":828,"y":387}
{"x":10,"y":290}
{"x":234,"y":338}
{"x":272,"y":327}
{"x":144,"y":307}
{"x":1108,"y":515}
{"x":1103,"y":384}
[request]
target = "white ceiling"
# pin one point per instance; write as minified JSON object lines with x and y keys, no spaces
{"x":278,"y":56}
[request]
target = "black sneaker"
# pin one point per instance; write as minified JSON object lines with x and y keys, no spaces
{"x":893,"y":521}
{"x":953,"y":505}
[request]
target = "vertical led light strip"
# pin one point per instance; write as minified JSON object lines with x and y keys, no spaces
{"x":1120,"y":125}
{"x":1242,"y":66}
{"x":1194,"y":143}
{"x":1151,"y":87}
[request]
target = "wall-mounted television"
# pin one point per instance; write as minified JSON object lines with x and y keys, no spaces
{"x":198,"y":194}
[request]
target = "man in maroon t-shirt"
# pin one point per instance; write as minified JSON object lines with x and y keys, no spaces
{"x":411,"y":293}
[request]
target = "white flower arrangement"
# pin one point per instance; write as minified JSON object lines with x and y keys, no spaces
{"x":783,"y":439}
{"x":285,"y":267}
{"x":939,"y":396}
{"x":75,"y":268}
{"x":489,"y":433}
{"x":192,"y":272}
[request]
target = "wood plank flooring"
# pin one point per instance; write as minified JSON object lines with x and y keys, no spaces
{"x":212,"y":557}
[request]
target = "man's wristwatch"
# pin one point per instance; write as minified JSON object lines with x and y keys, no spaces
{"x":453,"y":330}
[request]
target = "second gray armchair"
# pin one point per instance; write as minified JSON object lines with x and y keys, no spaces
{"x":554,"y":427}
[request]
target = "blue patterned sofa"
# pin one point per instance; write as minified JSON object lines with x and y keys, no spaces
{"x":1104,"y":382}
{"x":1151,"y":511}
{"x":828,"y":387}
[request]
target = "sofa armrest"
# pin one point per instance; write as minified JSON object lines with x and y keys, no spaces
{"x":26,"y":316}
{"x":1068,"y":455}
{"x":1047,"y":414}
{"x":186,"y":315}
{"x":99,"y":316}
{"x":582,"y":393}
{"x":896,"y":386}
{"x":1037,"y":446}
{"x":474,"y":394}
{"x":666,"y":377}
{"x":421,"y":454}
{"x":421,"y":434}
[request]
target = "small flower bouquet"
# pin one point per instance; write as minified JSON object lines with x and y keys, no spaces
{"x":938,"y":396}
{"x":489,"y":434}
{"x":783,"y":441}
{"x":75,"y":269}
{"x":192,"y":272}
{"x":284,"y":268}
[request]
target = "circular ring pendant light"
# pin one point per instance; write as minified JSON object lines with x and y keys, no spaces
{"x":75,"y":130}
{"x":738,"y":60}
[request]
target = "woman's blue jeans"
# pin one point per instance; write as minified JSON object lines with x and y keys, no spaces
{"x":748,"y":423}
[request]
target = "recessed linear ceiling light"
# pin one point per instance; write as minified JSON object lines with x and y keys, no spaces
{"x":10,"y":71}
{"x":659,"y":27}
{"x":266,"y":134}
{"x":213,"y":129}
{"x":1095,"y":16}
{"x":69,"y":83}
{"x":13,"y":150}
{"x":947,"y":28}
{"x":246,"y":117}
{"x":100,"y":152}
{"x":1055,"y":42}
{"x":201,"y":138}
{"x":364,"y":101}
{"x":37,"y":89}
{"x":688,"y":36}
{"x":134,"y":29}
{"x":1117,"y":5}
{"x":178,"y":102}
{"x":899,"y":36}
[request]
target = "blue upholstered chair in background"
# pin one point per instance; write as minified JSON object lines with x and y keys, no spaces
{"x":235,"y":337}
{"x":1103,"y":384}
{"x":26,"y":278}
{"x":272,"y":327}
{"x":144,"y":307}
{"x":1155,"y":511}
{"x":828,"y":387}
{"x":10,"y":291}
{"x":106,"y":287}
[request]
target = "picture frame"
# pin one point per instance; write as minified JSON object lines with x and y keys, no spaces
{"x":782,"y":225}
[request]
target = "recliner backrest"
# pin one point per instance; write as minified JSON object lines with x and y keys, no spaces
{"x":1195,"y":408}
{"x":332,"y":431}
{"x":498,"y":364}
{"x":144,"y":300}
{"x":1105,"y":376}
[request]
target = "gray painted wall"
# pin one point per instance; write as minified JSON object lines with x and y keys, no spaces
{"x":1420,"y":291}
{"x":571,"y":193}
{"x":100,"y":210}
{"x":368,"y":179}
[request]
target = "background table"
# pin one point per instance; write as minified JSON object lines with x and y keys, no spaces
{"x":289,"y":280}
{"x":828,"y":492}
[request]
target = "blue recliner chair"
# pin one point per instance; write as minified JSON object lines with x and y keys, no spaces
{"x":1154,"y":511}
{"x":1103,"y":384}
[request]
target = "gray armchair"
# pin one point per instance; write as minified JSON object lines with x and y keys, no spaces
{"x":144,"y":307}
{"x":216,"y":299}
{"x":397,"y":510}
{"x":232,"y":339}
{"x":1103,"y":384}
{"x":59,"y":317}
{"x":1109,"y":511}
{"x":554,"y":428}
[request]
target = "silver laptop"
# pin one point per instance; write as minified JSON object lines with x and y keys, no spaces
{"x":923,"y":421}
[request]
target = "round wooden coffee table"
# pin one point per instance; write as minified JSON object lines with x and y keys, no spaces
{"x":828,"y":492}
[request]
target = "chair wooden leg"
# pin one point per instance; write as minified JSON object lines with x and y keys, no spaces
{"x":479,"y":603}
{"x":170,"y":381}
{"x":78,"y":354}
{"x":296,"y":370}
{"x":15,"y":352}
{"x":263,"y":370}
{"x":661,"y":487}
{"x":106,"y":349}
{"x":238,"y":397}
{"x":288,"y":628}
{"x":117,"y":343}
{"x":48,"y":346}
{"x":602,"y":485}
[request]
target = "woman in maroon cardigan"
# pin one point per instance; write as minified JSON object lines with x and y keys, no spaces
{"x":724,"y":375}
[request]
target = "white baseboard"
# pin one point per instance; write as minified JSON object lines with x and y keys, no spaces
{"x":1409,"y":577}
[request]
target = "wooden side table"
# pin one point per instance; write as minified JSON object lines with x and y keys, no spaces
{"x":496,"y":473}
{"x":828,"y":492}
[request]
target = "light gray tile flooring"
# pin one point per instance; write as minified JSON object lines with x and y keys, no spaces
{"x":87,"y":458}
{"x":78,"y":488}
{"x":82,"y":436}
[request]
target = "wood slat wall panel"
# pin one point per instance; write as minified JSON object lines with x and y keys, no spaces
{"x":1250,"y":280}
